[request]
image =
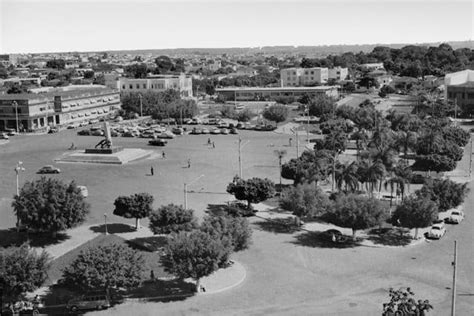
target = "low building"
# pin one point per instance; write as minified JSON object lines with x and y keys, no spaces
{"x":295,"y":77}
{"x":158,"y":83}
{"x":460,"y":89}
{"x":37,"y":111}
{"x":372,"y":66}
{"x":277,"y":93}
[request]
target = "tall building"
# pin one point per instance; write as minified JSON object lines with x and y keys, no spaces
{"x":158,"y":83}
{"x":37,"y":111}
{"x":460,"y":89}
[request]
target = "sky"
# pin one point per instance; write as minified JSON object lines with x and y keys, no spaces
{"x":32,"y":26}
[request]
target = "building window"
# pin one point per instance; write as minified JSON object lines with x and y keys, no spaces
{"x":138,"y":86}
{"x":312,"y":72}
{"x":131,"y":86}
{"x":123,"y":87}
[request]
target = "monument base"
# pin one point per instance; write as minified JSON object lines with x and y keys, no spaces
{"x":106,"y":151}
{"x":119,"y":157}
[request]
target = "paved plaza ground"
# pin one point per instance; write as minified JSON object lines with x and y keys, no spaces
{"x":286,"y":273}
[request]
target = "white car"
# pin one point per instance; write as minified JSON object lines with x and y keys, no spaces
{"x":437,"y":231}
{"x":456,"y":217}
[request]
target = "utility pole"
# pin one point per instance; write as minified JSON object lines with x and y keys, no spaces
{"x":470,"y":159}
{"x":18,"y":168}
{"x":455,"y":111}
{"x":453,"y":297}
{"x":105,"y":221}
{"x":307,"y":125}
{"x":141,"y":105}
{"x":186,"y":191}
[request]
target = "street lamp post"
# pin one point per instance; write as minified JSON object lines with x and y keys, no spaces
{"x":141,"y":104}
{"x":240,"y":156}
{"x":186,"y":191}
{"x":307,"y":125}
{"x":105,"y":220}
{"x":15,"y":104}
{"x":18,"y":168}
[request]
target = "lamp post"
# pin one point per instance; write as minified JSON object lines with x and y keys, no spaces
{"x":240,"y":155}
{"x":307,"y":125}
{"x":141,"y":104}
{"x":105,"y":220}
{"x":18,"y":168}
{"x":15,"y":104}
{"x":186,"y":191}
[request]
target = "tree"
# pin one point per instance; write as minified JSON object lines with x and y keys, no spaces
{"x":245,"y":115}
{"x":56,"y":63}
{"x":438,"y":163}
{"x":305,"y":200}
{"x":17,"y":89}
{"x":138,"y":205}
{"x":456,"y":135}
{"x":280,"y":153}
{"x":446,"y":193}
{"x":276,"y":113}
{"x":415,"y":212}
{"x":254,"y":190}
{"x":236,"y":229}
{"x":403,"y":303}
{"x":89,"y":74}
{"x":136,"y":71}
{"x":194,"y":254}
{"x":357,"y":212}
{"x":310,"y":166}
{"x":371,"y":173}
{"x":105,"y":267}
{"x":172,"y":218}
{"x":22,"y":270}
{"x":347,"y":174}
{"x":50,"y":205}
{"x":321,"y":105}
{"x":163,"y":65}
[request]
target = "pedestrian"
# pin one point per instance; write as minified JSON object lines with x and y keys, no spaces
{"x":289,"y":141}
{"x":209,"y":141}
{"x":152,"y":171}
{"x":152,"y":275}
{"x":213,"y":145}
{"x":189,"y":163}
{"x":163,"y":155}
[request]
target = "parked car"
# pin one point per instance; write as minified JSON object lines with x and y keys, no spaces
{"x":205,"y":131}
{"x":72,"y":126}
{"x":418,"y":179}
{"x":4,"y":136}
{"x":455,"y":217}
{"x":92,"y":301}
{"x":49,"y":169}
{"x":215,"y":131}
{"x":53,"y":130}
{"x":177,"y":130}
{"x":437,"y":231}
{"x":333,"y":235}
{"x":240,"y":125}
{"x":84,"y":132}
{"x":128,"y":134}
{"x":97,"y":133}
{"x":233,"y":131}
{"x":165,"y":135}
{"x":84,"y":191}
{"x":265,"y":128}
{"x":224,"y":131}
{"x":196,"y":131}
{"x":157,"y":142}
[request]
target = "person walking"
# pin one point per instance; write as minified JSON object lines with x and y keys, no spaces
{"x":152,"y":171}
{"x":189,"y":163}
{"x":289,"y":141}
{"x":213,"y":145}
{"x":163,"y":155}
{"x":209,"y":141}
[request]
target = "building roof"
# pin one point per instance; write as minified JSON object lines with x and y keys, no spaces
{"x":58,"y":92}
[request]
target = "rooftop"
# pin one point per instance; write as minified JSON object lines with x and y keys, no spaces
{"x":57,"y":92}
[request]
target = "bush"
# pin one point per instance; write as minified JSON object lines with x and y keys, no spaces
{"x":305,"y":200}
{"x":254,"y":190}
{"x":415,"y":212}
{"x":134,"y":206}
{"x":105,"y":267}
{"x":172,"y":219}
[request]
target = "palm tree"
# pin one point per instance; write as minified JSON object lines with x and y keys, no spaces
{"x":375,"y":173}
{"x":404,"y":173}
{"x":361,"y":139}
{"x":280,"y":153}
{"x":347,"y":174}
{"x":406,"y":141}
{"x":384,"y":154}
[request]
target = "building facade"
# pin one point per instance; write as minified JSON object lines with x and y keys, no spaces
{"x":33,"y":112}
{"x":158,"y":83}
{"x":277,"y":93}
{"x":460,"y":89}
{"x":295,"y":77}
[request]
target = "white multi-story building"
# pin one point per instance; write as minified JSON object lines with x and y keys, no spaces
{"x":294,"y":77}
{"x":158,"y":83}
{"x":338,"y":73}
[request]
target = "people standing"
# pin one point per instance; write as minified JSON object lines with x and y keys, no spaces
{"x":163,"y":155}
{"x":152,"y":171}
{"x":189,"y":163}
{"x":289,"y":141}
{"x":213,"y":145}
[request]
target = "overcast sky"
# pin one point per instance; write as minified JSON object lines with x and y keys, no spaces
{"x":86,"y":25}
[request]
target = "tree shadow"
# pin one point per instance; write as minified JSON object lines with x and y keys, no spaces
{"x":152,"y":244}
{"x":232,"y":210}
{"x":321,"y":240}
{"x":217,"y":209}
{"x":10,"y":237}
{"x":389,"y":236}
{"x":114,"y":228}
{"x":278,"y":225}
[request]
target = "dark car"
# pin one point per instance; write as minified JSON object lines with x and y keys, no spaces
{"x":53,"y":130}
{"x":157,"y":142}
{"x":265,"y":128}
{"x":49,"y":169}
{"x":84,"y":132}
{"x":418,"y":179}
{"x":333,"y":235}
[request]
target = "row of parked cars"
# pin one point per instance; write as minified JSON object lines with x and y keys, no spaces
{"x":438,"y":229}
